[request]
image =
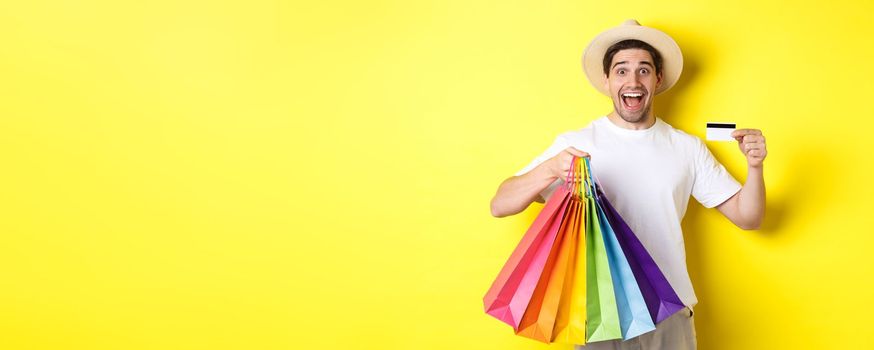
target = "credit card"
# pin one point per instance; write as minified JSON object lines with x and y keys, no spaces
{"x":720,"y":131}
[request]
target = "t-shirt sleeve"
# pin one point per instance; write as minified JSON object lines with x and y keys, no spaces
{"x":560,"y":144}
{"x":713,"y":184}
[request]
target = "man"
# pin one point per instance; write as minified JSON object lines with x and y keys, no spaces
{"x":647,"y":169}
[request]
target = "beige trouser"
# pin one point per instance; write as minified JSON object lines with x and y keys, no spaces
{"x":674,"y":333}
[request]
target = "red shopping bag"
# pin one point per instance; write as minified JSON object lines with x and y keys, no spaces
{"x":531,"y":262}
{"x":539,"y":320}
{"x":511,"y":291}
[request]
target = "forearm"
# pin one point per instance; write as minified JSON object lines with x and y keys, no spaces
{"x":751,"y":199}
{"x":517,"y":192}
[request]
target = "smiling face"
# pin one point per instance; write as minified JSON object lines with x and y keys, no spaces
{"x":632,"y":82}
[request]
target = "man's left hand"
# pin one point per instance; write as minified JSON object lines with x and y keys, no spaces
{"x":752,"y":144}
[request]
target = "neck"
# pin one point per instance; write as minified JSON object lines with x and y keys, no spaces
{"x":645,"y":123}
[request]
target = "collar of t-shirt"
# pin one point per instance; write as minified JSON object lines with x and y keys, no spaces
{"x":631,"y":132}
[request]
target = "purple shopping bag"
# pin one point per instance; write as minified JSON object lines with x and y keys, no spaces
{"x":661,"y":299}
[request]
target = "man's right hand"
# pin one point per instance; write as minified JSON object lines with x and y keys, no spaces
{"x":517,"y":192}
{"x":560,"y":164}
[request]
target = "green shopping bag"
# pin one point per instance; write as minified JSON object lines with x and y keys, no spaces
{"x":601,"y":309}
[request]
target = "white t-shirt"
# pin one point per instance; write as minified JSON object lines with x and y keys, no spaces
{"x":648,"y":176}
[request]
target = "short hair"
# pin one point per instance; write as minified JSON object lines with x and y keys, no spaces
{"x":631,"y":44}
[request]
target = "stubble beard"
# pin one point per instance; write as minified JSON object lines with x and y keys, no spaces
{"x":632,"y":117}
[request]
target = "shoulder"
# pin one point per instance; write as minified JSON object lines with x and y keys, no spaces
{"x":579,"y":135}
{"x":682,"y":139}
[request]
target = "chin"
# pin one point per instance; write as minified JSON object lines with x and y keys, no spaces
{"x":631,"y":117}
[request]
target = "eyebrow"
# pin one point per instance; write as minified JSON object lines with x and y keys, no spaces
{"x":624,"y":62}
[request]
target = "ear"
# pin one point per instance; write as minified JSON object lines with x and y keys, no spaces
{"x":606,"y":81}
{"x":659,"y":80}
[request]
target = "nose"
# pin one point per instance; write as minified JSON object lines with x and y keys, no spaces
{"x":635,"y":78}
{"x":634,"y":81}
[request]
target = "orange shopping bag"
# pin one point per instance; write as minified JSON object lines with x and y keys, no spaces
{"x":539,"y":291}
{"x":538,"y":321}
{"x":510,"y":293}
{"x":570,"y":322}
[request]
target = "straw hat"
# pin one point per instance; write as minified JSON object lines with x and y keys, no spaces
{"x":672,"y":58}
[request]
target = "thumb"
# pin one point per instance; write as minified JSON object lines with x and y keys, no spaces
{"x":577,"y":152}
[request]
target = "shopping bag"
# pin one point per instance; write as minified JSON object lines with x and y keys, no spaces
{"x":580,"y":274}
{"x":539,"y":318}
{"x":511,"y":291}
{"x":634,"y":317}
{"x":661,"y":299}
{"x":601,"y":308}
{"x":570,"y":322}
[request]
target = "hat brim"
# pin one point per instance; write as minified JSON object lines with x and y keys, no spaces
{"x":672,"y":57}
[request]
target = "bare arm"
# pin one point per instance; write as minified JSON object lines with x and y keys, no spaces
{"x":517,"y":192}
{"x":746,"y":209}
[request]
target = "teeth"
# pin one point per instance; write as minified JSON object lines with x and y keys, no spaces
{"x":632,"y":94}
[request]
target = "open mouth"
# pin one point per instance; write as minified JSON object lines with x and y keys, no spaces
{"x":632,"y":100}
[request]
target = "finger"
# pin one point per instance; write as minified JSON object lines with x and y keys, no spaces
{"x":577,"y":152}
{"x":752,"y":146}
{"x":758,"y":153}
{"x":743,"y":132}
{"x":753,"y":138}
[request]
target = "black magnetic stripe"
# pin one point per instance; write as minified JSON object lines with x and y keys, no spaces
{"x":721,"y":125}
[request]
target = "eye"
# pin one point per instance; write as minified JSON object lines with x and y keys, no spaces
{"x":644,"y":71}
{"x":620,"y":71}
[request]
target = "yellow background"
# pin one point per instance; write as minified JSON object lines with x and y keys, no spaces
{"x":316,"y":175}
